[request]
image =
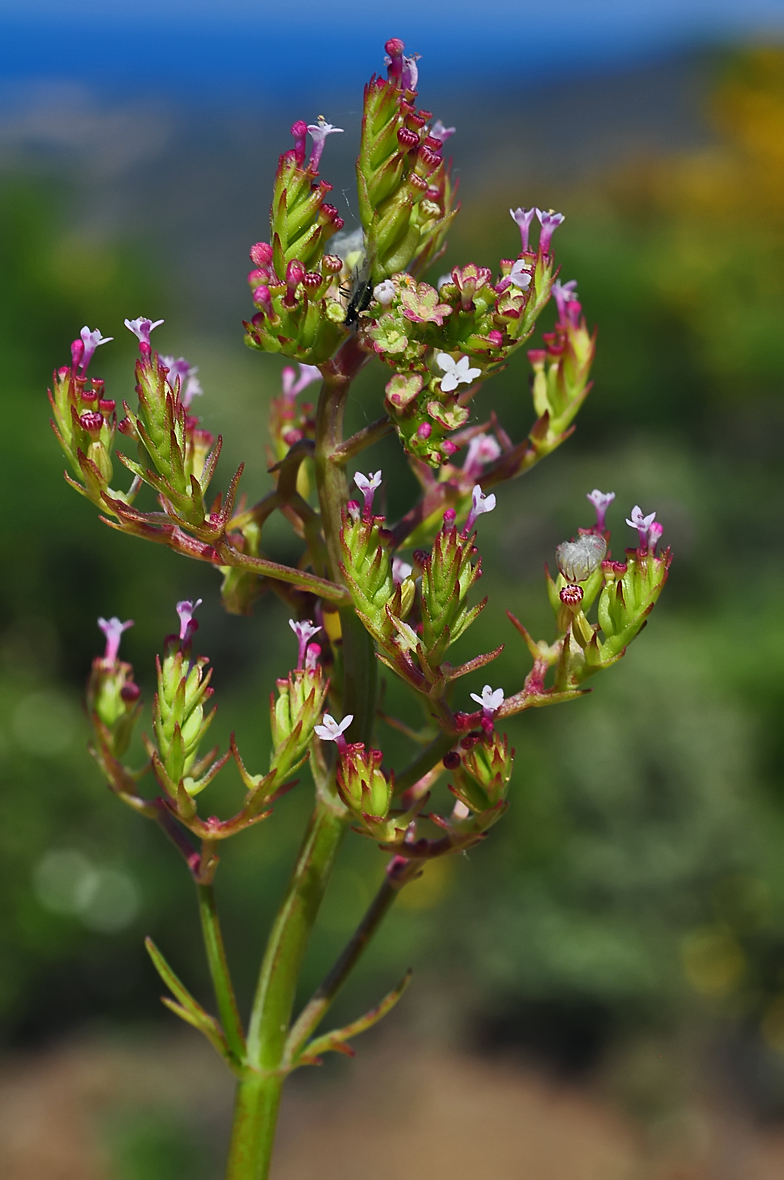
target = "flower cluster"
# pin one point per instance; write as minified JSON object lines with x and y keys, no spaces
{"x":361,"y":589}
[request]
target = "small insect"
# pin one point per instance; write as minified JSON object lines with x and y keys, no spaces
{"x":578,"y":559}
{"x":360,"y":293}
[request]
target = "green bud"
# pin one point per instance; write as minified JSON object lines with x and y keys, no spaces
{"x":179,"y":720}
{"x":447,"y":577}
{"x":362,"y":784}
{"x":297,"y":709}
{"x":483,"y":776}
{"x":113,"y":703}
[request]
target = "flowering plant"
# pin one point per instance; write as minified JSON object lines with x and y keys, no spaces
{"x":373,"y":591}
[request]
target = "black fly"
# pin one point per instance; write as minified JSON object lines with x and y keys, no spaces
{"x":360,"y":294}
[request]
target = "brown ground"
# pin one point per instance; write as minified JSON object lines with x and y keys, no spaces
{"x":433,"y":1115}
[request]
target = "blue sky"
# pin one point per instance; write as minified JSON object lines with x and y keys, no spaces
{"x":203,"y":45}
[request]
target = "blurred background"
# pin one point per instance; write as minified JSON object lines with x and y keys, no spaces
{"x":599,"y":989}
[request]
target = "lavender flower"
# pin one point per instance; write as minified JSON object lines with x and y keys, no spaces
{"x":367,"y":485}
{"x":188,"y":625}
{"x":523,"y":217}
{"x":142,"y":327}
{"x":549,"y":220}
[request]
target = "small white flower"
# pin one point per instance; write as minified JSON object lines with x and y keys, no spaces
{"x":456,"y":372}
{"x":443,"y":280}
{"x":519,"y":276}
{"x":640,"y":522}
{"x":491,"y":699}
{"x":331,"y":730}
{"x":384,"y":293}
{"x":367,"y":484}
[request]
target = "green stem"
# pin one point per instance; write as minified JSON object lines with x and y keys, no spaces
{"x":363,"y":438}
{"x":258,"y":1097}
{"x":219,"y":970}
{"x":253,"y":1131}
{"x":314,"y":1011}
{"x":274,"y":998}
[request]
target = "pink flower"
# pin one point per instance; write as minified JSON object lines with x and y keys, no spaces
{"x":141,"y":329}
{"x":304,"y":632}
{"x":188,"y":625}
{"x":113,"y":630}
{"x":90,"y":338}
{"x":318,"y":133}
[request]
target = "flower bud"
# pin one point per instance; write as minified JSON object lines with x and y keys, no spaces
{"x":362,"y":784}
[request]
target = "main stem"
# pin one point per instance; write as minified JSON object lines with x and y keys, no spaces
{"x":258,"y":1097}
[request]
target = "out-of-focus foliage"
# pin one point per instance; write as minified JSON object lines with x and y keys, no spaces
{"x":640,"y":865}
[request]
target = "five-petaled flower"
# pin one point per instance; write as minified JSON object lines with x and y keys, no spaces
{"x":188,"y":625}
{"x":142,"y":327}
{"x":91,"y":338}
{"x":480,"y":503}
{"x":304,"y":632}
{"x":601,"y":502}
{"x":367,"y":485}
{"x":113,"y":629}
{"x":457,"y":372}
{"x":549,"y":220}
{"x":523,"y":218}
{"x":318,"y":133}
{"x":332,"y":731}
